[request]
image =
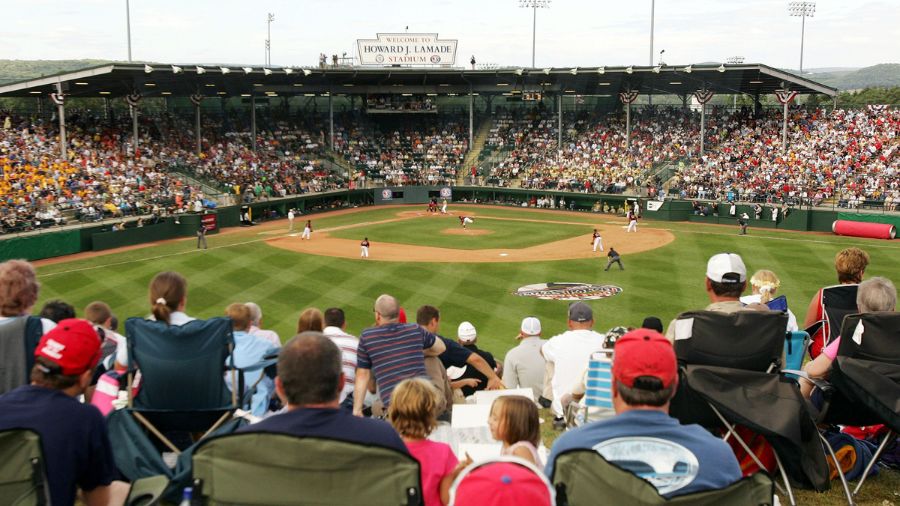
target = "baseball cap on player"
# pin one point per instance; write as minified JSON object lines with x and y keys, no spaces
{"x":531,"y":326}
{"x":726,"y":268}
{"x":580,"y":312}
{"x":466,"y":333}
{"x":73,"y":345}
{"x":644,"y":352}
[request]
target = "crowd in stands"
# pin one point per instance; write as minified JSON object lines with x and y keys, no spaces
{"x":330,"y":384}
{"x":852,"y":156}
{"x":402,"y":153}
{"x":849,"y":156}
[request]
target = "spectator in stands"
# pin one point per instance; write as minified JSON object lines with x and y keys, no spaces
{"x":515,"y":422}
{"x":850,"y":264}
{"x":875,"y":294}
{"x":468,"y":336}
{"x":309,"y":383}
{"x":391,"y":352}
{"x":524,"y":365}
{"x":256,"y":317}
{"x":76,"y":447}
{"x":57,"y":310}
{"x":726,"y":278}
{"x":764,"y":284}
{"x":248,"y":351}
{"x":311,"y":319}
{"x":569,"y":354}
{"x":19,"y":289}
{"x":168,"y":297}
{"x":413,"y":413}
{"x":455,"y":354}
{"x":645,"y":378}
{"x":335,"y":329}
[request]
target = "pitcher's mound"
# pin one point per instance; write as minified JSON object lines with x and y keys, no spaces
{"x":466,"y":231}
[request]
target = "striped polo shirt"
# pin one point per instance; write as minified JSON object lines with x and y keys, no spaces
{"x":394,"y":352}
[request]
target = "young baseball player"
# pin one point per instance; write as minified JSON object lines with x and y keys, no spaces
{"x":364,"y":246}
{"x":291,"y":220}
{"x":307,"y":230}
{"x":632,"y":221}
{"x":465,"y":220}
{"x":597,"y":241}
{"x":444,"y":206}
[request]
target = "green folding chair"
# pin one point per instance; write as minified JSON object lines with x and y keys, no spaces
{"x":23,"y":479}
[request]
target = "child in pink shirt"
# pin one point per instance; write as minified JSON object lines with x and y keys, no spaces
{"x":413,"y":413}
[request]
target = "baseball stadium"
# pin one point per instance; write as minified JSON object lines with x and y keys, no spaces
{"x":563,"y":210}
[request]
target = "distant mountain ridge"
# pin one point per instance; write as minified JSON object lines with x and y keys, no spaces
{"x":882,"y":75}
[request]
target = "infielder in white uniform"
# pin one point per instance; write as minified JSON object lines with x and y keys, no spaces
{"x":307,"y":230}
{"x":364,"y":246}
{"x":291,"y":220}
{"x":444,"y":206}
{"x":632,"y":222}
{"x":597,"y":242}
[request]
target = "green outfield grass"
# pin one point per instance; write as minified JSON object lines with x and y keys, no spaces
{"x":240,"y":267}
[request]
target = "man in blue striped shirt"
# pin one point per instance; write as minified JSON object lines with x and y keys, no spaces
{"x":392,"y":352}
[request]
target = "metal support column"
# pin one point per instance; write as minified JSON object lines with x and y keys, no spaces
{"x":253,"y":122}
{"x":784,"y":145}
{"x":702,"y":128}
{"x":330,"y":121}
{"x":134,"y":129}
{"x":628,"y":125}
{"x":197,"y":128}
{"x":471,"y":119}
{"x":107,"y":109}
{"x":62,"y":124}
{"x":559,"y":123}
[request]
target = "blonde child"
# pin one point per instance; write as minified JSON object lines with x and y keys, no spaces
{"x":514,"y":422}
{"x":413,"y":413}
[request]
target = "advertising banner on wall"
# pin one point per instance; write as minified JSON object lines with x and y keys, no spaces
{"x":407,"y":49}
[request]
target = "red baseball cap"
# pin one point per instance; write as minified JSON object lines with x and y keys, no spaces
{"x":73,"y":345}
{"x":502,"y":483}
{"x":401,"y":316}
{"x":644,"y":352}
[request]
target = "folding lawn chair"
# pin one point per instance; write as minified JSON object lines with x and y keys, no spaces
{"x":837,"y":302}
{"x":182,"y":395}
{"x":257,"y":468}
{"x":23,"y":477}
{"x":584,"y":477}
{"x":19,"y":337}
{"x":597,"y":403}
{"x":863,"y":387}
{"x":729,"y":366}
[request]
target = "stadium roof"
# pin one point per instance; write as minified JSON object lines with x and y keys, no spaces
{"x":160,"y":80}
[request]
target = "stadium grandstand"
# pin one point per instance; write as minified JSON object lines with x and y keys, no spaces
{"x":173,"y":151}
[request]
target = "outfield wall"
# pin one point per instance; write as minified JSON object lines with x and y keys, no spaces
{"x":47,"y":244}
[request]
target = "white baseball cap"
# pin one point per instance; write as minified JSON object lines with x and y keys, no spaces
{"x":466,"y":333}
{"x":454,"y":373}
{"x":726,"y":268}
{"x":531,"y":326}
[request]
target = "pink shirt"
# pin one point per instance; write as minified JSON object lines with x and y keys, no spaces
{"x":831,"y":350}
{"x":436,"y":460}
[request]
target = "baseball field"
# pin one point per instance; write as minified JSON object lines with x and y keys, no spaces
{"x":469,"y":274}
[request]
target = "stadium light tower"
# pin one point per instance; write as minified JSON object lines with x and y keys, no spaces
{"x":534,"y":5}
{"x":269,"y":19}
{"x":802,"y":10}
{"x":128,"y":25}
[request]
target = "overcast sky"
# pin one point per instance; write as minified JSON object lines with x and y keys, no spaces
{"x":569,"y":33}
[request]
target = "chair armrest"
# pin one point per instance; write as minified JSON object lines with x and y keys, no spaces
{"x":820,"y":383}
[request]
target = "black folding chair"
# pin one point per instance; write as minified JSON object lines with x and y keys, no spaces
{"x":729,"y":367}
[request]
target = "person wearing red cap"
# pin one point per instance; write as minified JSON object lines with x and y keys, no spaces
{"x":642,"y":437}
{"x":77,"y":451}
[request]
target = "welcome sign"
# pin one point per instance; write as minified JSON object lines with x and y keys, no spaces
{"x":407,"y":49}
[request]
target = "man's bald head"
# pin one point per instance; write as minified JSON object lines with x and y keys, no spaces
{"x":388,"y":307}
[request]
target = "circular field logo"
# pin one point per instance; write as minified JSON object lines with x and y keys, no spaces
{"x":568,"y":291}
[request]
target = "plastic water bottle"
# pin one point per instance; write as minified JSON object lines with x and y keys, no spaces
{"x":186,"y":497}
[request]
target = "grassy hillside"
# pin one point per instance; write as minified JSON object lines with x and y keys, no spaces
{"x":882,"y":75}
{"x":17,"y":70}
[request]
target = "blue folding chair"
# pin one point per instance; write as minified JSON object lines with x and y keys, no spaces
{"x":598,"y":392}
{"x":795,"y":345}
